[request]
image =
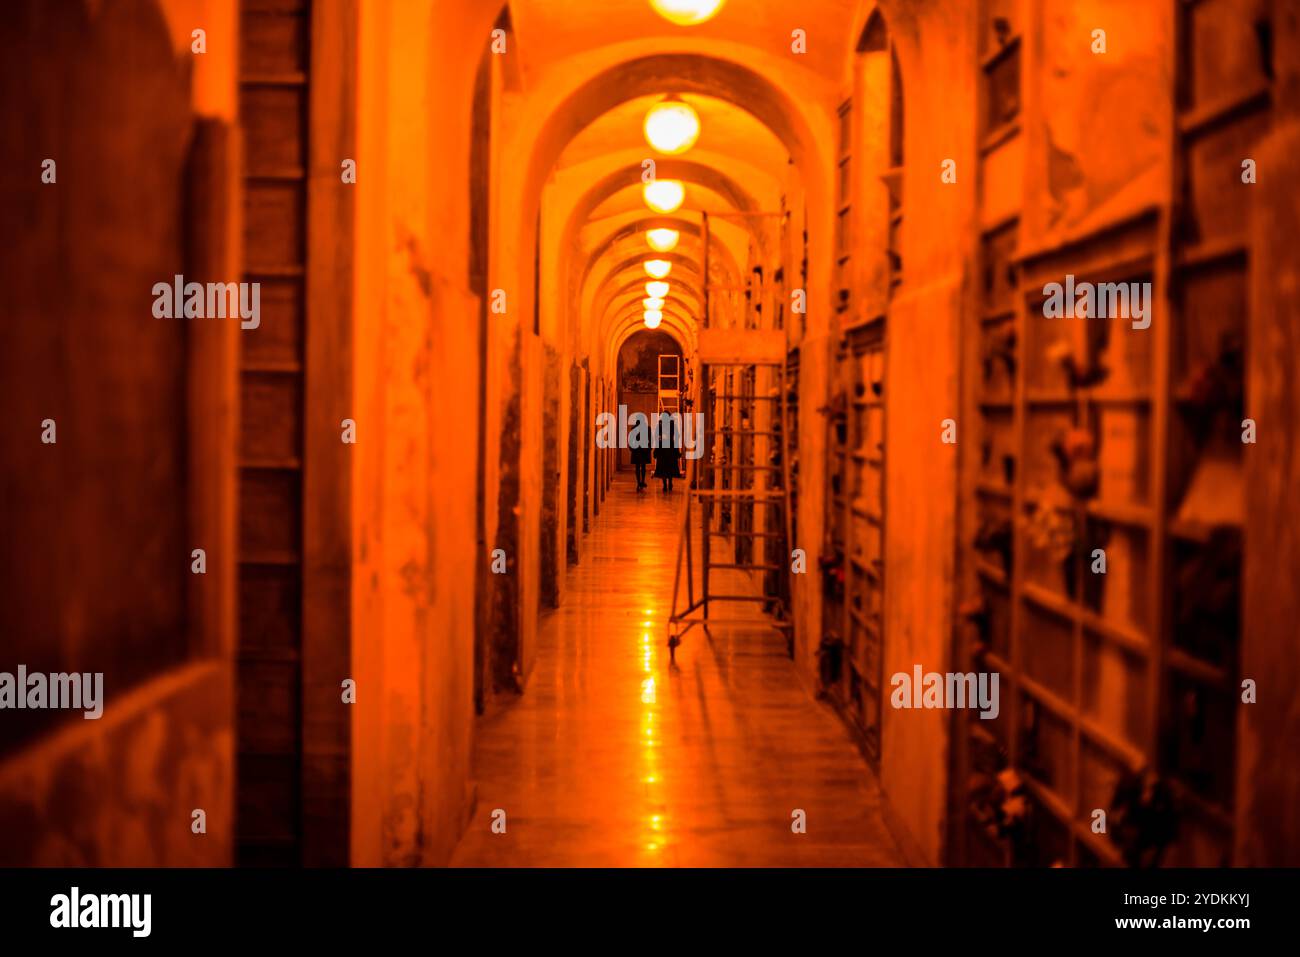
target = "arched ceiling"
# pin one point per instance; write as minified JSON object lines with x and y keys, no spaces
{"x":629,"y":326}
{"x":616,"y":275}
{"x":554,"y":30}
{"x":736,"y":165}
{"x":588,"y":73}
{"x":725,"y":132}
{"x":621,"y":238}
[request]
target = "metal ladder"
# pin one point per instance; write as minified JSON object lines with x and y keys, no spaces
{"x":741,"y":472}
{"x":670,"y":383}
{"x":736,"y":491}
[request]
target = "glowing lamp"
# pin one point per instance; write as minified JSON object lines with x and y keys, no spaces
{"x":657,"y":289}
{"x":661,"y":240}
{"x":671,"y":126}
{"x":664,"y":195}
{"x":652,"y":318}
{"x":658,"y":268}
{"x":686,"y":13}
{"x":652,"y":303}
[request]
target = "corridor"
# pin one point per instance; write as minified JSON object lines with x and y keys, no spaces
{"x":615,"y":758}
{"x":336,"y":329}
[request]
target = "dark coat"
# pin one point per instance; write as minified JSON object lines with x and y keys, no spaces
{"x":668,"y":455}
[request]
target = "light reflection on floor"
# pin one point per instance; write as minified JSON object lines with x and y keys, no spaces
{"x":611,"y":758}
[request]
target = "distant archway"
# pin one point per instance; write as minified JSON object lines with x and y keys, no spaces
{"x":637,"y":373}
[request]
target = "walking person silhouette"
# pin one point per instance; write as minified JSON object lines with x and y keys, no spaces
{"x":640,"y":459}
{"x":668,"y":452}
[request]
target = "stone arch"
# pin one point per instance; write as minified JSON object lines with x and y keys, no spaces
{"x":791,"y":118}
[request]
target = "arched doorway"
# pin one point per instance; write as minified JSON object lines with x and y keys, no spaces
{"x":639,"y":367}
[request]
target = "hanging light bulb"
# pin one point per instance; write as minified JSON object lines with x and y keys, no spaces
{"x":662,"y":240}
{"x":658,"y":268}
{"x":686,"y":13}
{"x":653,"y":303}
{"x":671,"y":126}
{"x":652,"y":318}
{"x":664,"y":195}
{"x":657,"y":290}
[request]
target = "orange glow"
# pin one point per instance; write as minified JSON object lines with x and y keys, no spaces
{"x":671,"y":126}
{"x":687,"y":13}
{"x":1107,"y":558}
{"x":662,"y":240}
{"x":664,"y":195}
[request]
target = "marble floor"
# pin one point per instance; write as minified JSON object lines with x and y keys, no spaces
{"x":613,"y":757}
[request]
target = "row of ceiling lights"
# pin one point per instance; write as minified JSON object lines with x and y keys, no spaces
{"x":671,"y":127}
